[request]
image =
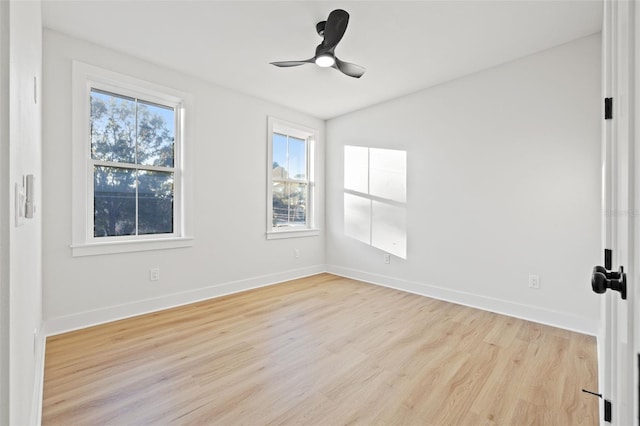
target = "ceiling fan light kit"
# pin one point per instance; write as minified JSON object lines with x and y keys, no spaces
{"x":325,"y":61}
{"x":331,"y":31}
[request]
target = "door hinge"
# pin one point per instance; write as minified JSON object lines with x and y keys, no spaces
{"x":608,"y":108}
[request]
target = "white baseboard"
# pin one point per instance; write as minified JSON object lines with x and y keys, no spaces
{"x":499,"y":306}
{"x":80,"y":320}
{"x":86,"y":319}
{"x":38,"y":385}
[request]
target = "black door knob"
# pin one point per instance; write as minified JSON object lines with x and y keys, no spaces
{"x":602,"y":279}
{"x":598,"y":281}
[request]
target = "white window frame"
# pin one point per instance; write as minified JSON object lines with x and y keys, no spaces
{"x":84,"y":243}
{"x":276,"y":125}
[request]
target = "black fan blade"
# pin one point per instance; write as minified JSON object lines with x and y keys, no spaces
{"x":334,"y":28}
{"x":352,"y":70}
{"x":292,"y":63}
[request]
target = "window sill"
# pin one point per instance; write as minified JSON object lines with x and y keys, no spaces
{"x":292,"y":233}
{"x":113,"y":247}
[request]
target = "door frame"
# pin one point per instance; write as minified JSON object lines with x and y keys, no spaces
{"x":634,"y":284}
{"x":619,"y":338}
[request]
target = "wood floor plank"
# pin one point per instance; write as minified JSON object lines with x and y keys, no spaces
{"x":322,"y":350}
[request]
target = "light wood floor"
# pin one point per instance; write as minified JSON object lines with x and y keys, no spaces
{"x":322,"y":350}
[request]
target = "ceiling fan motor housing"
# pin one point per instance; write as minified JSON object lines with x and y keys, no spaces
{"x":321,"y":50}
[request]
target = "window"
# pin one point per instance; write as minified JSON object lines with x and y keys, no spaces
{"x":291,"y":191}
{"x":128,"y":189}
{"x":132,"y":157}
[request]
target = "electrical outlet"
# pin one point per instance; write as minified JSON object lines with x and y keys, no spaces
{"x":154,"y":274}
{"x":534,"y":281}
{"x":387,"y":258}
{"x":296,"y":253}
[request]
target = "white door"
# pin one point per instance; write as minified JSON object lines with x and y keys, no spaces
{"x":618,"y":364}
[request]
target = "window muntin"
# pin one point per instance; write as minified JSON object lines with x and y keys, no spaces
{"x":291,"y":181}
{"x":133,"y":155}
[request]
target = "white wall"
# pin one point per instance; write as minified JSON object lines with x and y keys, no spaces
{"x":503,"y":181}
{"x":229,"y":147}
{"x":25,"y":248}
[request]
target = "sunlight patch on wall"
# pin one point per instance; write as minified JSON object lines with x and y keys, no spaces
{"x":375,"y":196}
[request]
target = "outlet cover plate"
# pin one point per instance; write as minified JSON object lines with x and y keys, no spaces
{"x":534,"y":281}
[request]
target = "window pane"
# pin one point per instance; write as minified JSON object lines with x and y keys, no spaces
{"x":156,"y":134}
{"x":114,"y":201}
{"x":155,"y":202}
{"x":113,"y":127}
{"x":280,"y":156}
{"x":289,"y":204}
{"x":298,"y":203}
{"x":280,"y":205}
{"x":297,"y":159}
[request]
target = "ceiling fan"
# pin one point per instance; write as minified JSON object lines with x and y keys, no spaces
{"x":332,"y":31}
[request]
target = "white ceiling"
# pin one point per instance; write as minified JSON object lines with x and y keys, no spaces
{"x":405,"y":45}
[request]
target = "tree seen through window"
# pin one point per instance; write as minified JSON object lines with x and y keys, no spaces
{"x":290,"y":181}
{"x":132,"y":148}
